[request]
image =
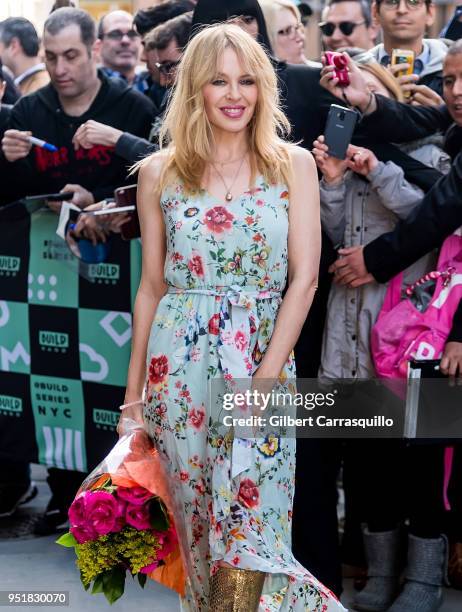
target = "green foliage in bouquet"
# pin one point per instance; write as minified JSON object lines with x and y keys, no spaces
{"x":106,"y":560}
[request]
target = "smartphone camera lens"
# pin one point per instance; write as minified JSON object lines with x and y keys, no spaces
{"x":341,"y":115}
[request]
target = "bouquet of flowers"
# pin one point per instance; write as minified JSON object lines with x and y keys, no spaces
{"x":121,"y":521}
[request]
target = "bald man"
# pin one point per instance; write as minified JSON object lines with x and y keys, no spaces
{"x":119,"y":45}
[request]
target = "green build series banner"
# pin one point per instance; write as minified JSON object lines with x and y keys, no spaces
{"x":65,"y":334}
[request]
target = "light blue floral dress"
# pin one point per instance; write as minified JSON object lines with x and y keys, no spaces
{"x":226,"y":266}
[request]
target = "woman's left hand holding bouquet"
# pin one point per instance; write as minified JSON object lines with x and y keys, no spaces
{"x":132,"y":408}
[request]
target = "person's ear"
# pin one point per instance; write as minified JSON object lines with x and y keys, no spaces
{"x":15,"y":45}
{"x":96,"y":49}
{"x":430,"y":14}
{"x":143,"y":54}
{"x":375,"y":13}
{"x":374,"y":30}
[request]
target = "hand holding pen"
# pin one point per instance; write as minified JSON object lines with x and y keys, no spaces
{"x":17,"y":144}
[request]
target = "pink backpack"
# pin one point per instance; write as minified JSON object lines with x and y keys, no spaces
{"x":402,"y":332}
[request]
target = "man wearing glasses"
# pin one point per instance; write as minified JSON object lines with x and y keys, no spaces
{"x":347,"y":23}
{"x":404,"y":23}
{"x":164,"y":46}
{"x":119,"y":46}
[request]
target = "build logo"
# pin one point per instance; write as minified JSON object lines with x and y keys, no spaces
{"x":106,"y":273}
{"x":105,"y":419}
{"x":10,"y":406}
{"x":9,"y":266}
{"x":57,"y":342}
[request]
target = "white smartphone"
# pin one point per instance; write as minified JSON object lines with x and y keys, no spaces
{"x":110,"y":211}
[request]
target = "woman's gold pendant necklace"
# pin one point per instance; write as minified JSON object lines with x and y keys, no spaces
{"x":229,"y":195}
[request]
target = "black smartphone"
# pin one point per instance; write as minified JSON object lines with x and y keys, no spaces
{"x":430,"y":368}
{"x":340,"y":126}
{"x":52,"y":197}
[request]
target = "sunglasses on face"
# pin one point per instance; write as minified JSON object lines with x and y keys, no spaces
{"x":118,"y":35}
{"x":167,"y":68}
{"x":394,"y":4}
{"x":291,"y":30}
{"x":345,"y":27}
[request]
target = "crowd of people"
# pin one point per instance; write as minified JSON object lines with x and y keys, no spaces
{"x":101,"y":94}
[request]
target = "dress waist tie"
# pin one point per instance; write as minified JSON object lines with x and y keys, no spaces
{"x":238,"y":316}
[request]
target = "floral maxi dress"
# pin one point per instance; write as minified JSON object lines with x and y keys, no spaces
{"x":225,"y":268}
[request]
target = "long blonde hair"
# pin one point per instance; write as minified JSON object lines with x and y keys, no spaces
{"x":187,"y":128}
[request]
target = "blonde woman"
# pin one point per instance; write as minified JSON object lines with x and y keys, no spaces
{"x":286,"y":31}
{"x":227,"y":212}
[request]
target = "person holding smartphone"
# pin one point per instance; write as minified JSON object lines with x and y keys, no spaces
{"x":362,"y":197}
{"x":404,"y":23}
{"x":77,"y":94}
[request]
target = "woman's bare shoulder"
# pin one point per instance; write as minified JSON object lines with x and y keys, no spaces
{"x":151,"y":167}
{"x":300,"y":157}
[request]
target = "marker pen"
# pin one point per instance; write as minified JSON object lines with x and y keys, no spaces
{"x":42,"y":143}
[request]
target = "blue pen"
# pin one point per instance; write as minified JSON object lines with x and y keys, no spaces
{"x":42,"y":143}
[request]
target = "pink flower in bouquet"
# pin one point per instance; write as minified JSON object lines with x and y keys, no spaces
{"x":134,"y":495}
{"x":120,"y":519}
{"x":100,"y":512}
{"x":147,"y":569}
{"x":168,"y":541}
{"x":83,"y":534}
{"x":77,"y":510}
{"x":138,"y":516}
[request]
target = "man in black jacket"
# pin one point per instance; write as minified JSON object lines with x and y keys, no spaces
{"x":77,"y":93}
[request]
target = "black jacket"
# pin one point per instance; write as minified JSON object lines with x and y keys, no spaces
{"x":99,"y":169}
{"x":12,"y":93}
{"x":434,"y":81}
{"x":5,"y":114}
{"x":306,"y":104}
{"x":428,"y":225}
